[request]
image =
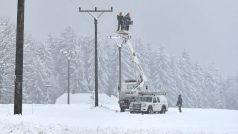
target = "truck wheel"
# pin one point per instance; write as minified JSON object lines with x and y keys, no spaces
{"x":150,"y":110}
{"x":163,"y":110}
{"x":122,"y":109}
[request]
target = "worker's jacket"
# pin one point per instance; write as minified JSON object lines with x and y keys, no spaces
{"x":180,"y":101}
{"x":120,"y":19}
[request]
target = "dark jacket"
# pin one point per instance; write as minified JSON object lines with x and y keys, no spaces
{"x":127,"y":19}
{"x":180,"y":101}
{"x":120,"y":19}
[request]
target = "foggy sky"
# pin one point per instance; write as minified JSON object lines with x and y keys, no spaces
{"x":207,"y":29}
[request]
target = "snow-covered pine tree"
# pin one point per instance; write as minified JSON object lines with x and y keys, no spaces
{"x":163,"y":76}
{"x":198,"y":81}
{"x":187,"y":88}
{"x":144,"y":54}
{"x":176,"y":81}
{"x":128,"y":66}
{"x":214,"y":85}
{"x":230,"y":88}
{"x":7,"y":60}
{"x":31,"y":89}
{"x":112,"y":68}
{"x":45,"y":70}
{"x":87,"y":48}
{"x":103,"y":68}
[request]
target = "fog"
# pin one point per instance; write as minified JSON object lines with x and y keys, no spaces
{"x":207,"y":29}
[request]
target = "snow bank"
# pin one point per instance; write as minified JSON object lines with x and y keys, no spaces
{"x":87,"y":98}
{"x":85,"y":119}
{"x":82,"y":118}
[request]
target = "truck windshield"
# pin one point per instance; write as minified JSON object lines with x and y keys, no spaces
{"x":145,"y":99}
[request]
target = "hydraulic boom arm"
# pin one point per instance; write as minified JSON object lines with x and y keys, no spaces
{"x":143,"y":78}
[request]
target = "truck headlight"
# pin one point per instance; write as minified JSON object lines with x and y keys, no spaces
{"x":143,"y":105}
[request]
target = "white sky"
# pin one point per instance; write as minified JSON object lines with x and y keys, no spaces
{"x":207,"y":29}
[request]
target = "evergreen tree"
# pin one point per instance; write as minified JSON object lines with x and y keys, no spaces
{"x":7,"y":60}
{"x":45,"y":70}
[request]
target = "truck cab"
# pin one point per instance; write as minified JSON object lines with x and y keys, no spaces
{"x":127,"y":95}
{"x":149,"y":104}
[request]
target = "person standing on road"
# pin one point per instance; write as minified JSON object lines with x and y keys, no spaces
{"x":179,"y":103}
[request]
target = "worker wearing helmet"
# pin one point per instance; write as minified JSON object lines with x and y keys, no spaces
{"x":120,"y":21}
{"x":180,"y":102}
{"x":128,"y":21}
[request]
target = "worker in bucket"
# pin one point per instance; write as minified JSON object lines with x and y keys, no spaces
{"x":180,"y":102}
{"x":120,"y":21}
{"x":128,"y":22}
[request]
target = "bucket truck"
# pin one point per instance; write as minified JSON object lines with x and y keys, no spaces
{"x":130,"y":90}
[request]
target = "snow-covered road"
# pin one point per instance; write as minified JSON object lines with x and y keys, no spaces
{"x":85,"y":119}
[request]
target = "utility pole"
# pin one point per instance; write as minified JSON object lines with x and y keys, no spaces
{"x":68,"y":54}
{"x":68,"y":80}
{"x":19,"y":58}
{"x":119,"y":45}
{"x":96,"y":52}
{"x":119,"y":50}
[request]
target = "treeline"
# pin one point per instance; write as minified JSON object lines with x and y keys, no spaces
{"x":45,"y":70}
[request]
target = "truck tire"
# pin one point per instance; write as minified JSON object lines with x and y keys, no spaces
{"x":150,"y":110}
{"x":163,"y":110}
{"x":122,"y":109}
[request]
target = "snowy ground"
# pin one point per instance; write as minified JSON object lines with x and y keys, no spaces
{"x":85,"y":119}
